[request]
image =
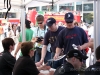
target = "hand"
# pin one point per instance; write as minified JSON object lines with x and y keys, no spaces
{"x":79,"y":47}
{"x":15,"y":55}
{"x":51,"y":72}
{"x":45,"y":67}
{"x":41,"y":61}
{"x":41,"y":42}
{"x":38,"y":64}
{"x":35,"y":39}
{"x":56,"y":56}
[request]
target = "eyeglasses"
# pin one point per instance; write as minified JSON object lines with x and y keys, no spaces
{"x":40,"y":23}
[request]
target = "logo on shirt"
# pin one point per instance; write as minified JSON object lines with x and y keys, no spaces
{"x":52,"y":39}
{"x":71,"y":36}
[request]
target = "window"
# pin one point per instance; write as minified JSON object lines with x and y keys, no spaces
{"x":88,"y":17}
{"x":49,"y":8}
{"x":30,"y":8}
{"x":10,"y":15}
{"x":88,"y":7}
{"x":78,"y":6}
{"x":1,"y":15}
{"x":68,"y":6}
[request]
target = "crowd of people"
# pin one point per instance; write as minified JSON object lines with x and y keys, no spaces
{"x":49,"y":41}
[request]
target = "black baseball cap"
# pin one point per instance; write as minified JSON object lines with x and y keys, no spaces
{"x":50,"y":21}
{"x":76,"y":53}
{"x":69,"y":17}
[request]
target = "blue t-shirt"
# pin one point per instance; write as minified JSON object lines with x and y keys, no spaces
{"x":67,"y":37}
{"x":51,"y":37}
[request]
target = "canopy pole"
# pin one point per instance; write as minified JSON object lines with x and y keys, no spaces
{"x":23,"y":22}
{"x":96,"y":25}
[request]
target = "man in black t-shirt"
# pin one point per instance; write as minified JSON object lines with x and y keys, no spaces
{"x":7,"y":61}
{"x":25,"y":65}
{"x":74,"y":62}
{"x":94,"y":69}
{"x":50,"y":38}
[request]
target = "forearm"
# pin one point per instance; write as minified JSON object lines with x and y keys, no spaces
{"x":91,"y":43}
{"x":85,"y":45}
{"x":33,"y":40}
{"x":58,"y":51}
{"x":18,"y":48}
{"x":44,"y":51}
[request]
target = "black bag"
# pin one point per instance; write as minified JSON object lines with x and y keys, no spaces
{"x":39,"y":50}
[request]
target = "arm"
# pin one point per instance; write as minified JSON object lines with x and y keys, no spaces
{"x":44,"y":51}
{"x":84,"y":46}
{"x":58,"y":51}
{"x":18,"y":48}
{"x":85,"y":43}
{"x":44,"y":48}
{"x":59,"y":45}
{"x":91,"y":43}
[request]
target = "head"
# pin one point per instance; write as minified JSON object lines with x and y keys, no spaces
{"x":27,"y":48}
{"x":97,"y":53}
{"x":8,"y":44}
{"x":51,"y":23}
{"x":40,"y":21}
{"x":75,"y":57}
{"x":76,"y":23}
{"x":69,"y":19}
{"x":14,"y":26}
{"x":27,"y":24}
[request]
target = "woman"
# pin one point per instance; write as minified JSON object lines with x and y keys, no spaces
{"x":13,"y":33}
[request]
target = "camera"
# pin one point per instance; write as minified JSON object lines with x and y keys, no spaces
{"x":39,"y":39}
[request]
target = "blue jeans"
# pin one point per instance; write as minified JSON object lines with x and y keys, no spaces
{"x":38,"y":57}
{"x":56,"y":64}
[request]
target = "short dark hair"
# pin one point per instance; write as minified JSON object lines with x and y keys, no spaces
{"x":40,"y":18}
{"x":76,"y":23}
{"x":97,"y":52}
{"x":7,"y":42}
{"x":25,"y":48}
{"x":27,"y":23}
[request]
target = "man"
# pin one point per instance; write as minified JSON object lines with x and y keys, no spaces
{"x":25,"y":65}
{"x":38,"y":36}
{"x":51,"y":37}
{"x":7,"y":61}
{"x":71,"y":35}
{"x":95,"y":68}
{"x":29,"y":34}
{"x":74,"y":62}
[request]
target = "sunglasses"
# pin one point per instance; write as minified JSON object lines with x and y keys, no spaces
{"x":40,"y":23}
{"x":69,"y":21}
{"x":81,"y":60}
{"x":32,"y":49}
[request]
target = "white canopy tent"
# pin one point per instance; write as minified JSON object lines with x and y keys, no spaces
{"x":21,"y":3}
